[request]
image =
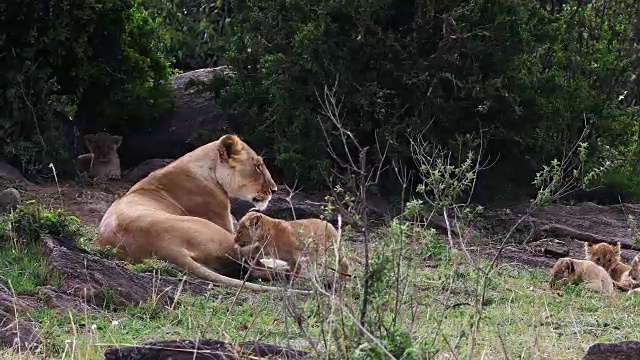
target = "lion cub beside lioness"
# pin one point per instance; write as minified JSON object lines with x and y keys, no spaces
{"x":103,"y":161}
{"x":260,"y":236}
{"x":575,"y":271}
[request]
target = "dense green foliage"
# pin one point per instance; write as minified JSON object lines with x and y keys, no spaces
{"x":193,"y":29}
{"x":97,"y":61}
{"x":527,"y":76}
{"x":530,"y":79}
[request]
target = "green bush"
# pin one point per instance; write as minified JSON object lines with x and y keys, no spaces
{"x":193,"y":30}
{"x":455,"y":67}
{"x":99,"y":61}
{"x":30,"y":221}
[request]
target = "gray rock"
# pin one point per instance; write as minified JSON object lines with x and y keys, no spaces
{"x":298,"y":207}
{"x":552,"y":247}
{"x":624,"y":350}
{"x":10,"y":173}
{"x":16,"y":332}
{"x":9,"y":200}
{"x":172,"y":135}
{"x":92,"y":279}
{"x":145,"y":168}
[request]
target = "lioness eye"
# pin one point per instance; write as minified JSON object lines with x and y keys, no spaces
{"x":258,"y":168}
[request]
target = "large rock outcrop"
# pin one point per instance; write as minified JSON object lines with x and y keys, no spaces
{"x":624,"y":350}
{"x":171,"y":136}
{"x":93,"y":279}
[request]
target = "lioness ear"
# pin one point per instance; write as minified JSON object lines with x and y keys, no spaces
{"x":117,"y":140}
{"x":229,"y":147}
{"x":89,"y":139}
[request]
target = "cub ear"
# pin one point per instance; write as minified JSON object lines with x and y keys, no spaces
{"x":255,"y":219}
{"x":117,"y":140}
{"x":617,"y":248}
{"x":571,"y":267}
{"x":89,"y":140}
{"x":229,"y":146}
{"x":587,"y":248}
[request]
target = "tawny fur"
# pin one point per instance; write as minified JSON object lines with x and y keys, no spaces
{"x":180,"y":213}
{"x":609,"y":258}
{"x":103,"y":161}
{"x":576,"y":271}
{"x":259,"y":235}
{"x":634,"y":275}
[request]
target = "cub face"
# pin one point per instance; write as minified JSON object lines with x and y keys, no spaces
{"x":563,"y":269}
{"x":103,"y":146}
{"x":248,"y":228}
{"x":603,"y":254}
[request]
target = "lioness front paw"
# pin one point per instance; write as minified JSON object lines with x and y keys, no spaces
{"x":115,"y":176}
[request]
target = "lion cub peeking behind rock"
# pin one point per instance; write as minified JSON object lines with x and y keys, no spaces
{"x":260,"y":236}
{"x":575,"y":271}
{"x":103,"y":161}
{"x":608,"y":257}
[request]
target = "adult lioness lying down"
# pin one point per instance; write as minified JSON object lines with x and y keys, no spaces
{"x":181,"y":213}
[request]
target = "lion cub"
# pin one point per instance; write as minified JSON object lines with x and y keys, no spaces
{"x":103,"y":161}
{"x":608,"y":257}
{"x":575,"y":271}
{"x":260,"y":235}
{"x":634,"y":274}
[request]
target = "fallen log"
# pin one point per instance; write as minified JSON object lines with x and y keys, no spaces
{"x":556,"y":230}
{"x":202,"y":350}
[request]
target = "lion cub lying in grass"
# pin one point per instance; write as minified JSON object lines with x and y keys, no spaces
{"x":103,"y":161}
{"x":608,"y":256}
{"x":575,"y":271}
{"x":259,"y":236}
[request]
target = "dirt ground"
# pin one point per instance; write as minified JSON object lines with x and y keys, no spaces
{"x":572,"y":225}
{"x":88,"y":202}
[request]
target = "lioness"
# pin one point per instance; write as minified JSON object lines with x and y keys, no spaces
{"x":575,"y":271}
{"x":609,"y":258}
{"x":180,"y":213}
{"x":258,"y":235}
{"x":103,"y":161}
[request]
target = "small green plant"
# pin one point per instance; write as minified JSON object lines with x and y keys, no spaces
{"x":560,"y":178}
{"x":30,"y":221}
{"x":156,"y":266}
{"x":431,"y":244}
{"x":633,"y":229}
{"x":107,"y":253}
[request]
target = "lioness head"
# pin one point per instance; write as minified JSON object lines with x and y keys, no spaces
{"x":603,"y":254}
{"x":103,"y":146}
{"x":243,"y":173}
{"x":563,"y":269}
